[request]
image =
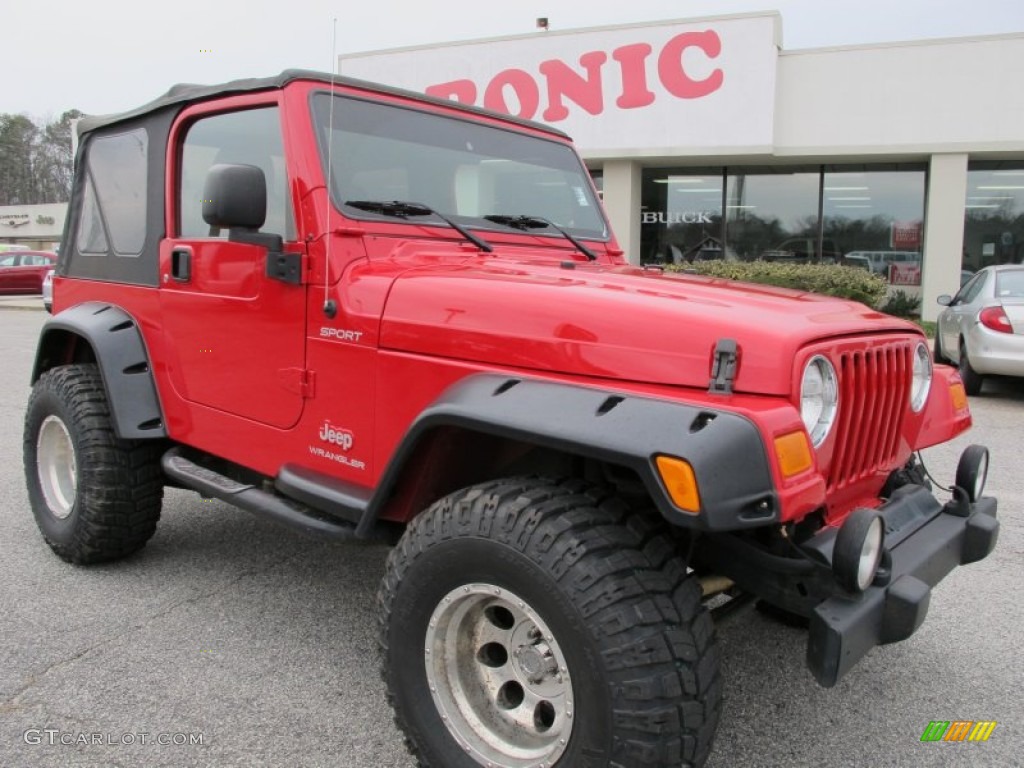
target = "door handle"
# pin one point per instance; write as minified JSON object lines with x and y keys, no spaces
{"x":181,"y":264}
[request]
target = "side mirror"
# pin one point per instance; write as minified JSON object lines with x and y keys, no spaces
{"x":945,"y":300}
{"x":235,"y":196}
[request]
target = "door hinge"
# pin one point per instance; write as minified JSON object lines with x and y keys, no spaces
{"x":299,"y":381}
{"x":307,"y":385}
{"x":723,"y":367}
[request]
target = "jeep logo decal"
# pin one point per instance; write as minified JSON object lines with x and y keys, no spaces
{"x":336,"y":435}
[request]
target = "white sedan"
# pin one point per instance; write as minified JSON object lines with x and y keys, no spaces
{"x":981,"y":330}
{"x":47,"y":291}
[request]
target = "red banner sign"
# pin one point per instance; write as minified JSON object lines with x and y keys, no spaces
{"x":905,"y":235}
{"x":905,"y":274}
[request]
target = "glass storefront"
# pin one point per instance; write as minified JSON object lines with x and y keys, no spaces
{"x":874,"y":217}
{"x":681,"y":214}
{"x":994,"y":214}
{"x":772,"y":214}
{"x":866,"y":215}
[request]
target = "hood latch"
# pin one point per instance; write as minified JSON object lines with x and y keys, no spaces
{"x":723,"y":367}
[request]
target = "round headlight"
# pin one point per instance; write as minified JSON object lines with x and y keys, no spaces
{"x":921,"y":380}
{"x":858,"y":550}
{"x":819,"y":398}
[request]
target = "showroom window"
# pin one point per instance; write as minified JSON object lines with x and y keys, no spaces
{"x":681,"y":214}
{"x":772,"y":214}
{"x":994,"y":214}
{"x":874,"y":216}
{"x":865,"y":215}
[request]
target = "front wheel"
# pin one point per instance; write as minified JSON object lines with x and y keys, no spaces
{"x":527,"y":622}
{"x":95,"y":497}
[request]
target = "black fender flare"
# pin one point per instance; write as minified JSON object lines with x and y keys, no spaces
{"x":120,"y":353}
{"x":725,"y":449}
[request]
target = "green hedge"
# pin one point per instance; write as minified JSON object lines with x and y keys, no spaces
{"x":832,"y":280}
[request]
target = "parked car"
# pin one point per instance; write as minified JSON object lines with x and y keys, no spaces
{"x":856,"y":260}
{"x":880,"y":260}
{"x":47,"y":291}
{"x":23,"y":271}
{"x":981,"y":331}
{"x":803,"y":250}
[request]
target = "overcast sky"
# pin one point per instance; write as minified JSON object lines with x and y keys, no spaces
{"x":104,"y":56}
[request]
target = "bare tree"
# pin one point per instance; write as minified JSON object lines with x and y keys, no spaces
{"x":35,"y":162}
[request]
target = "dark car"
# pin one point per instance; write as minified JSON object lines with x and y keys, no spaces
{"x":23,"y":271}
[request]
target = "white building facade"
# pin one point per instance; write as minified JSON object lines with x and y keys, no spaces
{"x":708,"y":139}
{"x":36,"y":227}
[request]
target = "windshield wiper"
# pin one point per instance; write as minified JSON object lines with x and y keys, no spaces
{"x":403,"y":210}
{"x":539,"y":222}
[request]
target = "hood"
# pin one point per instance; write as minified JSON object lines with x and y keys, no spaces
{"x":615,"y":322}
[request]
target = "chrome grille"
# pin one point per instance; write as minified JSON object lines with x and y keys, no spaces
{"x":874,"y":386}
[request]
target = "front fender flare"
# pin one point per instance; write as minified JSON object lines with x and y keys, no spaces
{"x":725,"y":449}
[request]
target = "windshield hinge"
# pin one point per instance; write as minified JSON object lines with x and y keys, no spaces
{"x":287,"y":267}
{"x":723,"y":367}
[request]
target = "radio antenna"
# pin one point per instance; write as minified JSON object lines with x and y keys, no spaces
{"x":330,"y":307}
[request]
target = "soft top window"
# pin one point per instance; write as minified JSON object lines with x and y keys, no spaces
{"x":114,"y":204}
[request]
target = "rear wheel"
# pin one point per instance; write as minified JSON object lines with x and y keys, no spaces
{"x":94,"y":497}
{"x":971,"y":378}
{"x":527,"y":622}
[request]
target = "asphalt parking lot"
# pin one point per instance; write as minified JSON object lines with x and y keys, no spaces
{"x":239,"y":643}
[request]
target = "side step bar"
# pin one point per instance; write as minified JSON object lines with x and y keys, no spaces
{"x":246,"y":496}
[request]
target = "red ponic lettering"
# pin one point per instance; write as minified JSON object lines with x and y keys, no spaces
{"x":523,"y":86}
{"x":462,"y":91}
{"x":563,"y":81}
{"x":632,"y":62}
{"x":670,"y":65}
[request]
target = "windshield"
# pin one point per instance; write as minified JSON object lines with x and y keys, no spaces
{"x":462,"y":169}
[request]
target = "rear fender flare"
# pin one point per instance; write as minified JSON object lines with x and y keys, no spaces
{"x":116,"y":342}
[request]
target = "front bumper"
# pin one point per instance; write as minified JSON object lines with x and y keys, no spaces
{"x":924,"y":541}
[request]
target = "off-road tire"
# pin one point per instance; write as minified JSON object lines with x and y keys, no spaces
{"x":971,"y":378}
{"x":109,"y":503}
{"x":624,"y":616}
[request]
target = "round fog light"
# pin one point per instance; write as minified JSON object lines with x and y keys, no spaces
{"x":858,"y":550}
{"x":972,"y":471}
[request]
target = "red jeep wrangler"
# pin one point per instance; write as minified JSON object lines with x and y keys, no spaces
{"x":370,"y":314}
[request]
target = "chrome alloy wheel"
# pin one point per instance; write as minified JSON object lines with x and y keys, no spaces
{"x":499,"y":678}
{"x":55,"y":459}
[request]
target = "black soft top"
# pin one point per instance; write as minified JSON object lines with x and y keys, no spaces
{"x":188,"y":92}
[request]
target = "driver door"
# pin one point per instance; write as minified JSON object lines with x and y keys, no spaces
{"x":238,"y":335}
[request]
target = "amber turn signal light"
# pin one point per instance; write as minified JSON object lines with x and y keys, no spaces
{"x":958,"y":395}
{"x":794,"y":453}
{"x":680,"y":482}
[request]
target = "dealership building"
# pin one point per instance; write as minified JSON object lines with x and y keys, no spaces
{"x":709,"y":139}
